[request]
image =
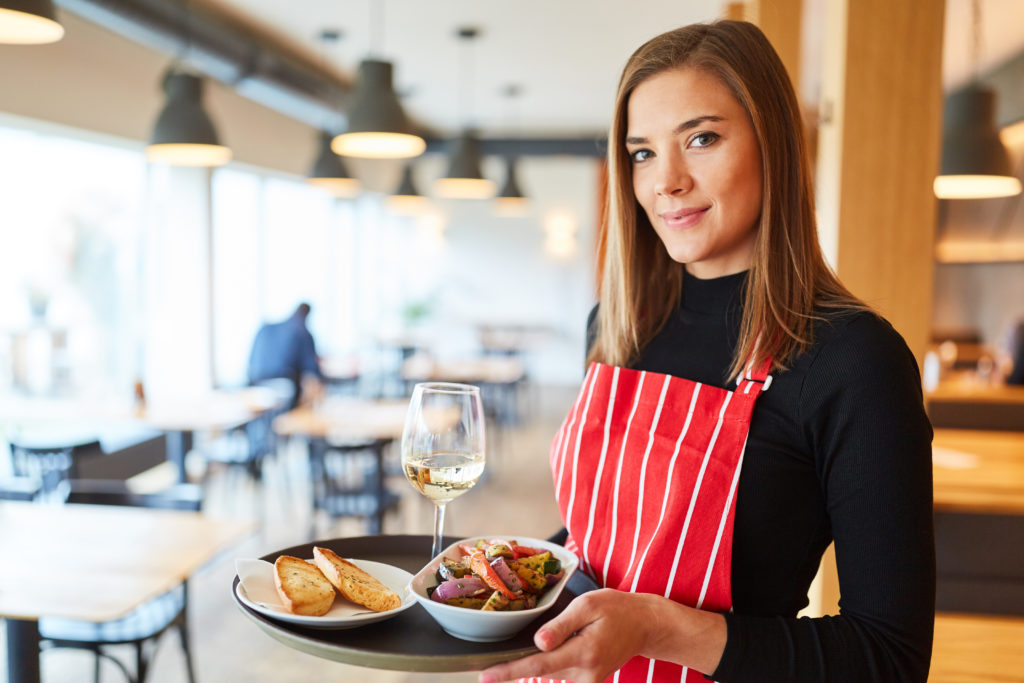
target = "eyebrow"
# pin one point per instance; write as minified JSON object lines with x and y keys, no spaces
{"x":681,"y":128}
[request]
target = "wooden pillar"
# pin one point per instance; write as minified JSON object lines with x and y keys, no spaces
{"x":878,"y":152}
{"x":781,"y":21}
{"x":879,"y":149}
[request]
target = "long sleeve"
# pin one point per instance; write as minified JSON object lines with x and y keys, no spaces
{"x":861,"y":415}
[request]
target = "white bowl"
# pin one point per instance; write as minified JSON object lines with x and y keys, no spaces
{"x":488,"y":627}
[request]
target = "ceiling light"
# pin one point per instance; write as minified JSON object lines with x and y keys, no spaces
{"x":377,"y":125}
{"x":184,"y":134}
{"x":510,"y":200}
{"x":464,"y":179}
{"x":329,"y":172}
{"x":975,"y":164}
{"x":29,"y":22}
{"x":406,"y":199}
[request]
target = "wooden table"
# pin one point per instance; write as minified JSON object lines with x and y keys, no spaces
{"x":179,"y":418}
{"x":337,"y":418}
{"x":967,"y":403}
{"x":120,"y":557}
{"x":977,"y":471}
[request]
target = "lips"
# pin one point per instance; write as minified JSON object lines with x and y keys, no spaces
{"x":683,"y":218}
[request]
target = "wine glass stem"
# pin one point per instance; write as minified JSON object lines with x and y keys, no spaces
{"x":438,"y":529}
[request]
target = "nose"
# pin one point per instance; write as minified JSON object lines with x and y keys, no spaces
{"x":673,"y":176}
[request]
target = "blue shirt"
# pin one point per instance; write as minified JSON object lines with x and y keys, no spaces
{"x":283,"y":349}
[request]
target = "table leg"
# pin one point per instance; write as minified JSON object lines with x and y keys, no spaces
{"x":178,"y":444}
{"x":22,"y":651}
{"x":378,"y":519}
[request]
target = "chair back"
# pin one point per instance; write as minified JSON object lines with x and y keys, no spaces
{"x":116,"y":492}
{"x":50,"y":466}
{"x":18,"y":488}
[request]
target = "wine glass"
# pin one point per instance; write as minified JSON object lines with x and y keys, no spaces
{"x":443,"y":444}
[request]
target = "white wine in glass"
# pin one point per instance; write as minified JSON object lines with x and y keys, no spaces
{"x":443,"y":445}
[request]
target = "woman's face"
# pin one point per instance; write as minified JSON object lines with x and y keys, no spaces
{"x":696,"y":169}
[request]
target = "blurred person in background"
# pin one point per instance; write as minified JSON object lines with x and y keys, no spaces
{"x":286,"y":350}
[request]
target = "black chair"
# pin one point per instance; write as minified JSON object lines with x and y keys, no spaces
{"x":51,"y":466}
{"x":147,"y":623}
{"x":248,"y":446}
{"x":348,"y":481}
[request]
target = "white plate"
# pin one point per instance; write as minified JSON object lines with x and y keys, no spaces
{"x":340,"y":615}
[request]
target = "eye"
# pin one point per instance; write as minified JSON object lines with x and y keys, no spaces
{"x":705,"y":139}
{"x":640,"y":155}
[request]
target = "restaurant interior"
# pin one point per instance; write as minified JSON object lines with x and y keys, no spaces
{"x":429,"y":179}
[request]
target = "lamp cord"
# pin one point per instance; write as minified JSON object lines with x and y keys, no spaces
{"x":975,"y":39}
{"x":376,"y":28}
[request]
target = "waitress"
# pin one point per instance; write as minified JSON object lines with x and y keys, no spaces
{"x":742,"y":409}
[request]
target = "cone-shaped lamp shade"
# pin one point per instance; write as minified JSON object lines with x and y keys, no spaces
{"x":464,"y":179}
{"x":975,"y":163}
{"x":29,"y":22}
{"x":510,"y":200}
{"x":184,"y":134}
{"x":377,"y":125}
{"x":329,"y":172}
{"x":406,"y":199}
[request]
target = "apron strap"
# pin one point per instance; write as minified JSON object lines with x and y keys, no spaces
{"x":758,"y":374}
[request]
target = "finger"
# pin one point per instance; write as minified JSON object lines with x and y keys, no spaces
{"x":546,"y":664}
{"x":555,"y":632}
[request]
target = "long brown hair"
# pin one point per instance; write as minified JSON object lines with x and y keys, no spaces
{"x":641,"y":285}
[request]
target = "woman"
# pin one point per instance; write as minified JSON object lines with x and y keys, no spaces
{"x":742,"y":409}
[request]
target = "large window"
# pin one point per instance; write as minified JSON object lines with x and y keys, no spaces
{"x":69,"y":223}
{"x":277,"y":242}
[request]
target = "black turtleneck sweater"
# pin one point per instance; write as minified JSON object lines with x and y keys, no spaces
{"x":839,"y":449}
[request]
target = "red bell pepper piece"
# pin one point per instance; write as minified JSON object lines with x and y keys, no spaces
{"x":524,"y":551}
{"x":478,"y":564}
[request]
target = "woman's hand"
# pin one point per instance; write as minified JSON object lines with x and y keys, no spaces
{"x":602,"y":630}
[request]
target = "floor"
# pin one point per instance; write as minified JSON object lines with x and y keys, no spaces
{"x":513,"y":497}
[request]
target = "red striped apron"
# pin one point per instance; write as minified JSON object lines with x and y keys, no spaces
{"x":645,"y":468}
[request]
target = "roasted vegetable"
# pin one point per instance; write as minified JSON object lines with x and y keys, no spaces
{"x":536,"y":562}
{"x":499,"y":550}
{"x":450,"y":569}
{"x":496,"y":602}
{"x":532,"y":581}
{"x":458,"y":588}
{"x":469,"y":603}
{"x":482,"y":568}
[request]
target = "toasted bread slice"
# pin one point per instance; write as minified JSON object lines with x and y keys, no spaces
{"x":302,"y":587}
{"x":354,"y":583}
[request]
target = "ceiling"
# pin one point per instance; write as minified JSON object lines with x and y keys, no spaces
{"x":565,"y":56}
{"x":562,"y":56}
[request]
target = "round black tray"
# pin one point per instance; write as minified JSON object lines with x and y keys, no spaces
{"x":412,"y":641}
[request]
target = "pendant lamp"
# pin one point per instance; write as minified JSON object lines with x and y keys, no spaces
{"x":406,"y":199}
{"x":975,"y":164}
{"x":29,"y":22}
{"x":329,"y":171}
{"x":377,"y":125}
{"x":510,"y":200}
{"x":464,"y":178}
{"x":184,"y":134}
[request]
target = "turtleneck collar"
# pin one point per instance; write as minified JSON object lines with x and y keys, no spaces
{"x":716,"y":295}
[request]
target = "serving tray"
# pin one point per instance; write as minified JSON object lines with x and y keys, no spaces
{"x":412,"y":641}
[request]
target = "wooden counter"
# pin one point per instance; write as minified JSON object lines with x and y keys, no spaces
{"x":978,"y":471}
